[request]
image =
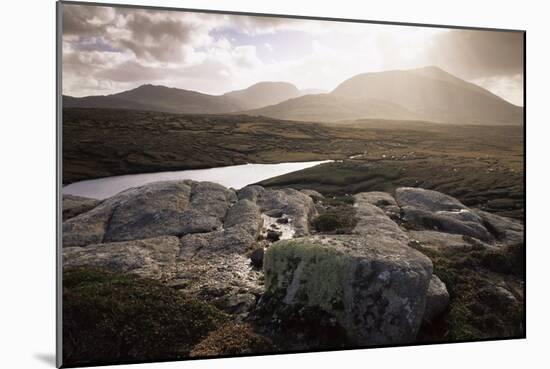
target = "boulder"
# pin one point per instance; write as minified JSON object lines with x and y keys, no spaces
{"x":297,"y":206}
{"x":233,"y":240}
{"x":373,"y":222}
{"x":141,"y":212}
{"x":151,"y":258}
{"x":195,"y":221}
{"x":506,"y":230}
{"x":383,"y":200}
{"x":172,"y":208}
{"x":251,"y":193}
{"x":168,"y":208}
{"x":245,"y":214}
{"x":75,"y":205}
{"x":376,"y":198}
{"x":427,"y":200}
{"x":87,"y":228}
{"x":374,"y":288}
{"x":211,"y":199}
{"x":437,"y":298}
{"x":440,"y":241}
{"x":426,"y":209}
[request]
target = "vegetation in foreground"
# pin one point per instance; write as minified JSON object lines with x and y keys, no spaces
{"x":478,"y":310}
{"x":113,"y":317}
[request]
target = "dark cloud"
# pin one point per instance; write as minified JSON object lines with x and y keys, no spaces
{"x":478,"y":54}
{"x":145,"y":26}
{"x":85,"y":20}
{"x":150,"y":35}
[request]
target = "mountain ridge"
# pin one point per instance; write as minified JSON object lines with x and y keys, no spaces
{"x":427,"y":93}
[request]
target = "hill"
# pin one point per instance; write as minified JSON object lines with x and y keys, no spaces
{"x":158,"y":98}
{"x":175,"y":100}
{"x":263,"y":94}
{"x":419,"y":94}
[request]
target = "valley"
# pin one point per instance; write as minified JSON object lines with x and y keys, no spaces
{"x":480,"y":165}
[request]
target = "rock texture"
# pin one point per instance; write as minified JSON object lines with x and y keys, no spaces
{"x":210,"y":242}
{"x":426,"y":209}
{"x":375,"y":290}
{"x":508,"y":230}
{"x":294,"y":205}
{"x":153,"y":257}
{"x":437,"y":298}
{"x":372,"y":221}
{"x":75,"y":205}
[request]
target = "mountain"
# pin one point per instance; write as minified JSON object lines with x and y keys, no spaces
{"x":264,"y":94}
{"x":419,"y":94}
{"x":434,"y":95}
{"x":328,"y":107}
{"x":429,"y":94}
{"x":175,"y":100}
{"x":158,"y":98}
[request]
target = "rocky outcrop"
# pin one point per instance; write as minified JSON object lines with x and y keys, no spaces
{"x":507,"y":230}
{"x":87,"y":228}
{"x":235,"y":240}
{"x":245,"y":214}
{"x":437,"y":298}
{"x":372,"y":285}
{"x":153,"y":257}
{"x":376,"y":290}
{"x":383,"y":200}
{"x":152,"y":210}
{"x":372,"y":221}
{"x":296,"y":206}
{"x":439,"y":241}
{"x":75,"y":205}
{"x":426,"y":209}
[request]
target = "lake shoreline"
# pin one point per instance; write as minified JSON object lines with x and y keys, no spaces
{"x":101,"y":188}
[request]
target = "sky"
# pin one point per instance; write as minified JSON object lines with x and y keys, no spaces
{"x":108,"y":50}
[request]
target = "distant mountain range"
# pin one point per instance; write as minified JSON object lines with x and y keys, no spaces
{"x":428,"y":93}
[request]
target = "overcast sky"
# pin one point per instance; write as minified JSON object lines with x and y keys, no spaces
{"x":108,"y":50}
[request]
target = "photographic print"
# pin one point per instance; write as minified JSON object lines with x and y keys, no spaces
{"x":250,"y":184}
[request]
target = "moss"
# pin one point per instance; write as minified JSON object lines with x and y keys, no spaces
{"x":317,"y":270}
{"x":326,"y":222}
{"x":337,"y":216}
{"x":112,"y":317}
{"x":232,"y":339}
{"x":476,"y":309}
{"x":312,"y":281}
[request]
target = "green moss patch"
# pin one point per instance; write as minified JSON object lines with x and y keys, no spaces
{"x":486,"y":293}
{"x":112,"y":317}
{"x":337,"y":215}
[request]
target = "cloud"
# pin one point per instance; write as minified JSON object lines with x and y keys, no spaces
{"x":477,"y":54}
{"x":510,"y":88}
{"x":110,"y":49}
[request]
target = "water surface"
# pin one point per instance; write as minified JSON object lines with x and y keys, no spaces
{"x":236,"y":176}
